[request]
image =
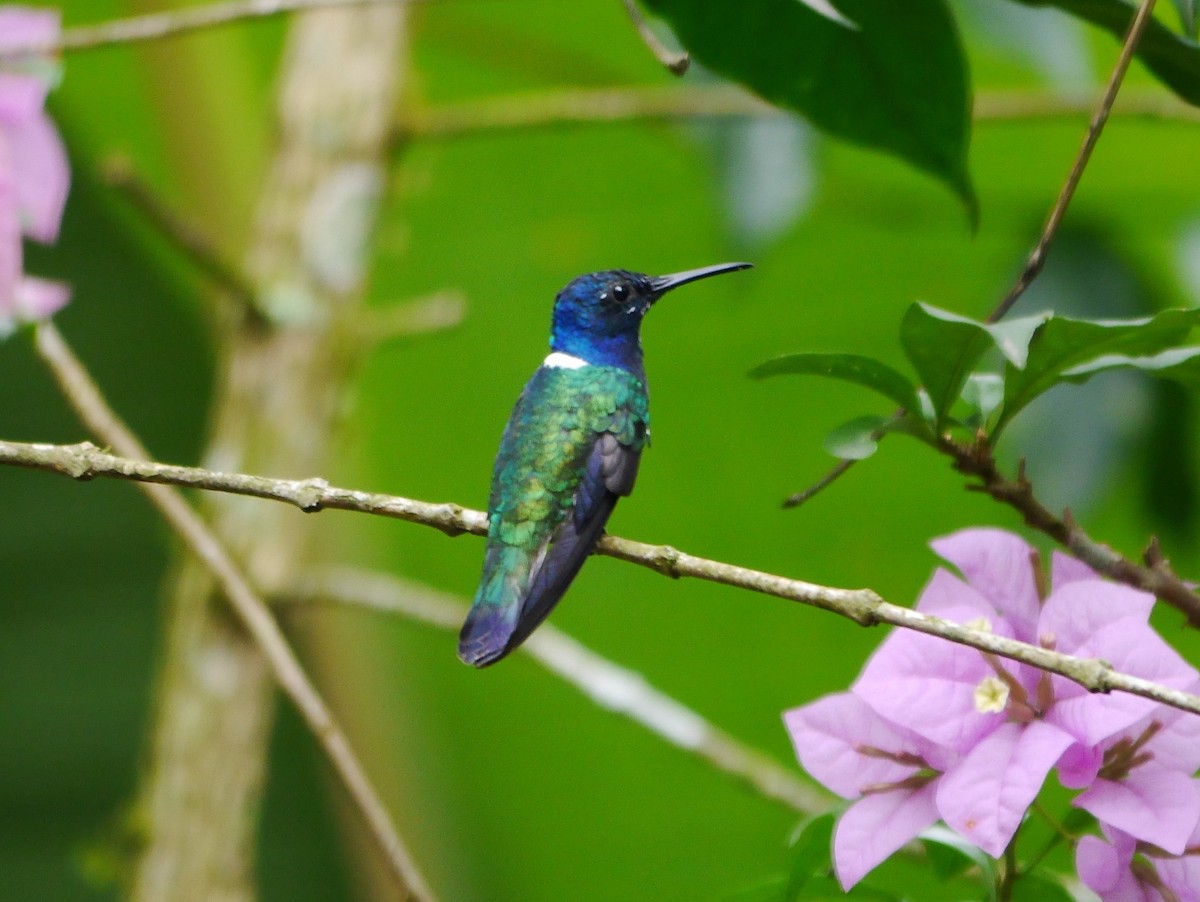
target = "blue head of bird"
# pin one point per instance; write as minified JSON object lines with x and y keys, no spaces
{"x":598,"y":316}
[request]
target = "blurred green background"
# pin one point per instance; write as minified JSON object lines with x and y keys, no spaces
{"x":508,"y":784}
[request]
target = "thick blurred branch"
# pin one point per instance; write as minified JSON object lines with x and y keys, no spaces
{"x":102,"y":421}
{"x":277,"y":407}
{"x":608,"y":684}
{"x":864,"y":606}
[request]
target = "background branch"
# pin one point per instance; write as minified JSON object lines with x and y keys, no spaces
{"x":608,"y":684}
{"x":179,"y":21}
{"x":652,"y":103}
{"x":87,"y":401}
{"x":189,"y":240}
{"x":864,"y":606}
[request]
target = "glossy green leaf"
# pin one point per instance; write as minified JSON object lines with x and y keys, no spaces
{"x":982,"y":393}
{"x":1180,"y":364}
{"x":898,"y":82}
{"x":1061,"y":344}
{"x":945,"y":347}
{"x":1173,"y":58}
{"x":865,"y":371}
{"x":855,"y":440}
{"x":830,"y":12}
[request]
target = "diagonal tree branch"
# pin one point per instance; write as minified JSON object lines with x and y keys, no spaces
{"x":85,"y":397}
{"x":608,"y":684}
{"x":1155,"y":577}
{"x":864,"y":606}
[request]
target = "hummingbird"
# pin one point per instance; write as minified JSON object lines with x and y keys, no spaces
{"x":570,"y":450}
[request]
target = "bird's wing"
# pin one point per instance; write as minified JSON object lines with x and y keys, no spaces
{"x":610,"y":472}
{"x":555,"y":532}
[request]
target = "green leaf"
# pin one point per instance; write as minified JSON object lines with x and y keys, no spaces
{"x":1180,"y":364}
{"x":1040,"y":888}
{"x":950,"y":855}
{"x":812,"y":854}
{"x":827,"y":9}
{"x":855,"y":440}
{"x":865,"y":371}
{"x":898,"y":82}
{"x":1061,"y":344}
{"x":1189,"y":15}
{"x":944,"y":347}
{"x":983,"y":394}
{"x":1173,"y":58}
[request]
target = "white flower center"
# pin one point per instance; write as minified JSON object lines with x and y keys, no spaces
{"x":991,"y":695}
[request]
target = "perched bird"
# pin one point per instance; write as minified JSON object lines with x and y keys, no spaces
{"x":570,"y":450}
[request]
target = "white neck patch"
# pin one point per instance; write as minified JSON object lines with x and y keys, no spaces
{"x":557,"y":360}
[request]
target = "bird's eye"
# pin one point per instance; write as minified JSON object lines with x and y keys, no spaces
{"x":620,"y":291}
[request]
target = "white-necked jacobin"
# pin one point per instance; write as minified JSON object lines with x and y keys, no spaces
{"x":570,"y":450}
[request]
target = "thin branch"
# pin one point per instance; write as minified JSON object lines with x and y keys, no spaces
{"x":433,"y":313}
{"x":1155,"y":577}
{"x":187,"y":239}
{"x":609,"y":685}
{"x":676,"y":62}
{"x":578,"y":106}
{"x":654,"y":103}
{"x":180,"y":21}
{"x":85,"y":397}
{"x":1037,"y":258}
{"x":834,"y":474}
{"x":864,"y":606}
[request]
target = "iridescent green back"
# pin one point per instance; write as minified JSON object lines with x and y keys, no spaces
{"x":546,"y":444}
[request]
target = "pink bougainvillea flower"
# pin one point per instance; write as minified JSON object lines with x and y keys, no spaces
{"x":1011,"y":723}
{"x":890,"y":771}
{"x":1119,"y":869}
{"x":1140,"y":781}
{"x":34,"y":173}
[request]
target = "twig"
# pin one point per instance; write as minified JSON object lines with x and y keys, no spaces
{"x":610,"y":685}
{"x":1037,"y":258}
{"x":179,"y":21}
{"x":834,"y":474}
{"x":652,"y":103}
{"x":92,"y":409}
{"x":676,"y":63}
{"x":434,"y":313}
{"x":1155,"y":577}
{"x":864,"y":606}
{"x":579,"y":106}
{"x":195,"y":247}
